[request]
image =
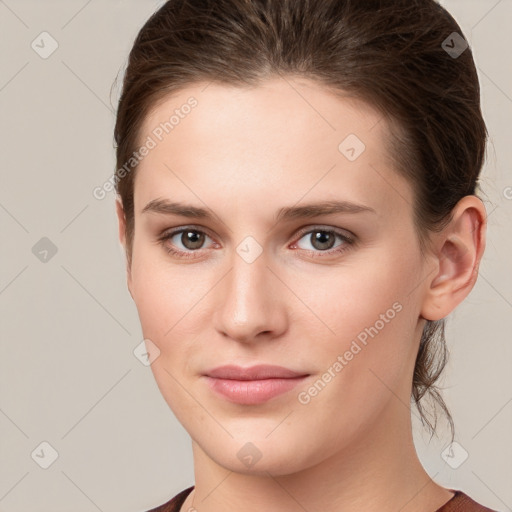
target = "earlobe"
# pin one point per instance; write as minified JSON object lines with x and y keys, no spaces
{"x":460,"y":248}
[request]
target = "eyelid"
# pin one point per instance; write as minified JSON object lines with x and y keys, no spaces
{"x":190,"y":227}
{"x":319,"y":227}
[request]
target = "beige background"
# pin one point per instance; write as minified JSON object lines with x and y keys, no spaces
{"x":68,"y":375}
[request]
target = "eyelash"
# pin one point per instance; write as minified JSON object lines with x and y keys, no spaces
{"x":348,"y":241}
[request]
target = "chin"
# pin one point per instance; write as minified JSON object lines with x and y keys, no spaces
{"x":258,"y":457}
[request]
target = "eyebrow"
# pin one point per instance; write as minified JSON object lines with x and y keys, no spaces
{"x":166,"y":207}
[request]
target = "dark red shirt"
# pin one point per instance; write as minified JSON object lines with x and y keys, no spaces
{"x":460,"y":502}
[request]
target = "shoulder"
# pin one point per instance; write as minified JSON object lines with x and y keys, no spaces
{"x":174,"y":504}
{"x":461,"y":502}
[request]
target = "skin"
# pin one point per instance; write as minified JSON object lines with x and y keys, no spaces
{"x":244,"y":153}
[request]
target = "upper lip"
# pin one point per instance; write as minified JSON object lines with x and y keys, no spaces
{"x":258,"y":372}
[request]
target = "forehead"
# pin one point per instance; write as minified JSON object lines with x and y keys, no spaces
{"x":306,"y":109}
{"x":286,"y":137}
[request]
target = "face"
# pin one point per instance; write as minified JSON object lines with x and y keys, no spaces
{"x":294,"y":246}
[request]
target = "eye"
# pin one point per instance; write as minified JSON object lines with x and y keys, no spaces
{"x":191,"y":239}
{"x":185,"y":242}
{"x":322,"y":240}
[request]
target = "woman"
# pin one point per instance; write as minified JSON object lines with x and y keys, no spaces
{"x":296,"y":198}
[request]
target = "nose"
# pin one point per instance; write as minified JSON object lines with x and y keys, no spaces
{"x":251,"y":302}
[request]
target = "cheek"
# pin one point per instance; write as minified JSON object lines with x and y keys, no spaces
{"x":165,"y":301}
{"x":361,"y":298}
{"x":371,"y":317}
{"x":170,"y":303}
{"x":164,"y":294}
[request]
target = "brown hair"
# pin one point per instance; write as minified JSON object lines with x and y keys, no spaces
{"x":391,"y":54}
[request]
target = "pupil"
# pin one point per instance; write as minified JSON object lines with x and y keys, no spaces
{"x":192,"y":239}
{"x":320,"y":237}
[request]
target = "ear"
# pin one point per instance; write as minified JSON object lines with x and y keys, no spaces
{"x":458,"y":250}
{"x":121,"y":218}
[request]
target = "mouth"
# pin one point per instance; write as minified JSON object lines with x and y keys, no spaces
{"x":254,"y":385}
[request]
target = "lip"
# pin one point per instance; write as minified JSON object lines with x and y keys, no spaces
{"x":253,"y":385}
{"x":257,"y":372}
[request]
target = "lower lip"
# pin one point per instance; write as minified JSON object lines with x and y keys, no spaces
{"x":252,"y":392}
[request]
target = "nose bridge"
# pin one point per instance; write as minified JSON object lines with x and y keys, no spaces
{"x":249,"y":301}
{"x":248,"y":282}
